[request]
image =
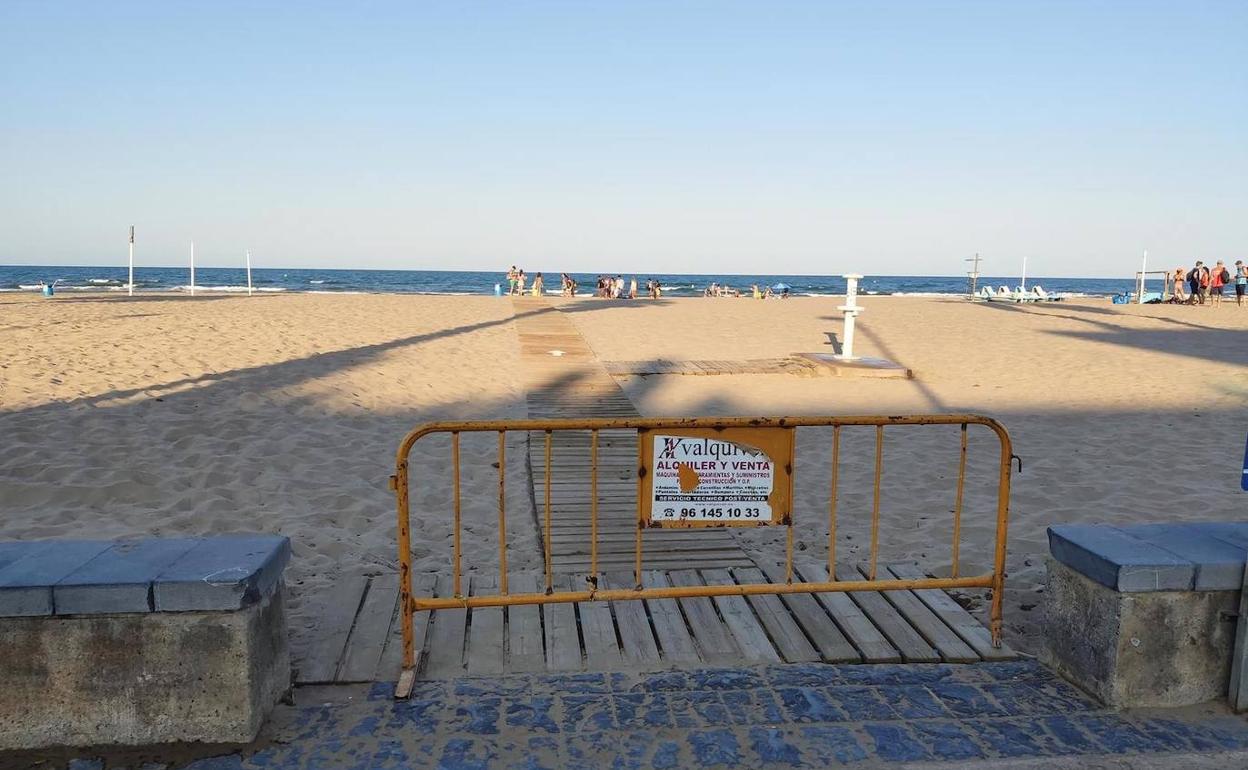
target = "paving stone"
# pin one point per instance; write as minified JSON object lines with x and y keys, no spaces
{"x":642,"y":711}
{"x":802,"y":675}
{"x":1007,"y":738}
{"x":668,"y":680}
{"x":587,"y":712}
{"x":533,"y":714}
{"x":468,"y":754}
{"x":965,"y":700}
{"x":894,"y":743}
{"x":1219,"y":564}
{"x":574,"y":683}
{"x":480,"y":716}
{"x":1067,"y":737}
{"x":827,"y":745}
{"x":26,"y":583}
{"x":912,"y":701}
{"x":119,"y":579}
{"x":698,"y":709}
{"x":773,"y":747}
{"x":1115,"y":734}
{"x":751,"y":707}
{"x":715,"y":748}
{"x":1118,"y":560}
{"x":947,"y":740}
{"x":224,"y":572}
{"x":85,"y":764}
{"x":814,"y":704}
{"x":861,"y":702}
{"x":726,"y":679}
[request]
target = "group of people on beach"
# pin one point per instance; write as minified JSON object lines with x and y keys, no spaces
{"x":756,"y":291}
{"x":1207,"y":284}
{"x":516,"y":280}
{"x":614,"y":288}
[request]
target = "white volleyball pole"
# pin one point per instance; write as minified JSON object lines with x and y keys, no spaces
{"x":248,"y":273}
{"x":192,"y":268}
{"x":130,"y":281}
{"x":1139,"y":291}
{"x":850,"y":309}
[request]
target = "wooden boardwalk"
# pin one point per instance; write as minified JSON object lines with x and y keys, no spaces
{"x":575,"y":384}
{"x":357,"y":633}
{"x":790,"y":365}
{"x":359,"y":638}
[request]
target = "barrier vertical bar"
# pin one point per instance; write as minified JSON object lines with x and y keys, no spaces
{"x":836,"y":472}
{"x":1003,"y":516}
{"x":405,"y":564}
{"x":957,"y":503}
{"x":875,"y":504}
{"x":593,"y":504}
{"x":502,"y":512}
{"x":455,"y":480}
{"x":549,"y":582}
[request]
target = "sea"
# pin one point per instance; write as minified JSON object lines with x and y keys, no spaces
{"x":153,"y":280}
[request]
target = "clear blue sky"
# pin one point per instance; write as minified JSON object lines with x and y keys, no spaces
{"x":703,"y":137}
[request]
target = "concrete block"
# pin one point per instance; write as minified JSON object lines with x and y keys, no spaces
{"x":26,"y":583}
{"x":1118,"y":560}
{"x":1219,"y":564}
{"x":222,"y":573}
{"x":120,"y":578}
{"x":142,"y":678}
{"x":1159,"y":648}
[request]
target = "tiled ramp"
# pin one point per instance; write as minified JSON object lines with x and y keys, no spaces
{"x":574,"y":383}
{"x":359,"y":637}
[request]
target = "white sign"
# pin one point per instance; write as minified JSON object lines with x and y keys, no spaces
{"x":706,"y":479}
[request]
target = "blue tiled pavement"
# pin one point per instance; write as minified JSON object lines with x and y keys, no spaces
{"x":793,"y":716}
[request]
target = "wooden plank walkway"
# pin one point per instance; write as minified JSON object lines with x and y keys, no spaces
{"x":575,"y":384}
{"x":362,"y":642}
{"x":700,"y":368}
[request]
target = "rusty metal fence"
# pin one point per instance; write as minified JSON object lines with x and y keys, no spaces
{"x":543,"y":430}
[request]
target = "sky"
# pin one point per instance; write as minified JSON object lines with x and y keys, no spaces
{"x":701,"y":137}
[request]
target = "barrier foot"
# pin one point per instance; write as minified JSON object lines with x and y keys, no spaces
{"x":407,"y":680}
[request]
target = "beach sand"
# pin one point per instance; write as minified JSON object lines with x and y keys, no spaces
{"x":176,"y":415}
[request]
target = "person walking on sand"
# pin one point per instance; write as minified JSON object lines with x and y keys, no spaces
{"x":1178,"y":285}
{"x":1217,"y":279}
{"x":1193,"y":284}
{"x":632,"y":288}
{"x":537,"y":285}
{"x":511,"y":280}
{"x":1241,"y":281}
{"x":520,"y":283}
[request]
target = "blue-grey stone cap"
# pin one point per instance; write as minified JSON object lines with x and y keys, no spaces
{"x":1219,"y":564}
{"x":120,"y":578}
{"x":1118,"y":560}
{"x":224,"y":572}
{"x":29,"y":569}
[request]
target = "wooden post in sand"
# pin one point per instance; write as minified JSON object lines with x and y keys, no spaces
{"x":248,"y":273}
{"x":130,"y":280}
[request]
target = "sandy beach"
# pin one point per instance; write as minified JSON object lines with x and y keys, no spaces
{"x":175,"y":415}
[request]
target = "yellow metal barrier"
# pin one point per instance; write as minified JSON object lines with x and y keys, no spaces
{"x":400,"y":483}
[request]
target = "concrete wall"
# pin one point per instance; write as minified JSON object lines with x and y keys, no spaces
{"x":1161,"y":648}
{"x":143,"y":678}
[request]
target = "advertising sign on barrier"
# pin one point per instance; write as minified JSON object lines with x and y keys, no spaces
{"x":700,"y":477}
